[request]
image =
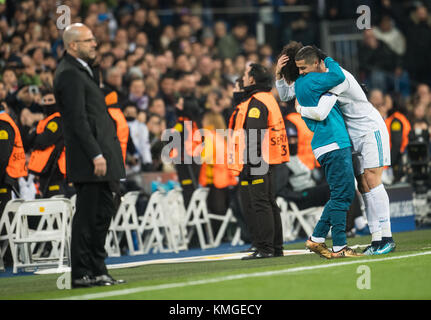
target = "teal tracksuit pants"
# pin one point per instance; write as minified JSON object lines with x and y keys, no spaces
{"x":339,"y":174}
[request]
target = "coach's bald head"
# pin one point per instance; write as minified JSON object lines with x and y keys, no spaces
{"x":79,"y":41}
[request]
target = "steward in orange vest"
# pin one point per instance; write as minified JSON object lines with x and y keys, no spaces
{"x":214,"y":173}
{"x":48,"y":159}
{"x":399,"y":128}
{"x":259,"y":112}
{"x":302,"y":148}
{"x":12,"y":157}
{"x":114,"y":110}
{"x":189,"y":120}
{"x":258,"y":142}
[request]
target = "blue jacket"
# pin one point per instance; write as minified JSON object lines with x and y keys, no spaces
{"x":309,"y":89}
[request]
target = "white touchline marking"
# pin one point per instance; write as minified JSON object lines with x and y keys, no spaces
{"x":115,"y":293}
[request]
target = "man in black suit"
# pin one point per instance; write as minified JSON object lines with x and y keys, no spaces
{"x":94,"y":161}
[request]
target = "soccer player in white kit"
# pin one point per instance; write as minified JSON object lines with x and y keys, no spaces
{"x":371,"y":152}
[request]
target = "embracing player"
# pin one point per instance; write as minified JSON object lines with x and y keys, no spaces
{"x":370,"y":142}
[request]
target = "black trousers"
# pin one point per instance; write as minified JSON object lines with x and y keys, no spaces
{"x":262,"y":213}
{"x":5,"y":196}
{"x":94,"y":209}
{"x":188,"y":177}
{"x":52,"y":185}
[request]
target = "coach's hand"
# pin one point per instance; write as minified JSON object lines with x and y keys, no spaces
{"x":99,"y":166}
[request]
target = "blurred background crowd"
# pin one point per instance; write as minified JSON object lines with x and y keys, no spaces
{"x":159,"y":54}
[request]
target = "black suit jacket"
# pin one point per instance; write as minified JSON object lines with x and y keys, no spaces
{"x":88,"y":128}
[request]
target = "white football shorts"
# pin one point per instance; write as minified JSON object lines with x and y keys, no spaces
{"x":371,"y":151}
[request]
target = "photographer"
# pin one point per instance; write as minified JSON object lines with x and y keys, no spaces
{"x":418,"y":151}
{"x":47,"y":159}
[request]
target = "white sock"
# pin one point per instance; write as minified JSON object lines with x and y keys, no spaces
{"x":376,"y":236}
{"x":372,"y":217}
{"x":337,"y":248}
{"x":317,"y":240}
{"x":381,"y":201}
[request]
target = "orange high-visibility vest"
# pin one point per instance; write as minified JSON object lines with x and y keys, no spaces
{"x":120,"y":121}
{"x":305,"y":135}
{"x":16,"y":166}
{"x":275,"y":148}
{"x":122,"y":128}
{"x":39,"y":158}
{"x":192,"y":139}
{"x":211,"y":171}
{"x":394,"y":126}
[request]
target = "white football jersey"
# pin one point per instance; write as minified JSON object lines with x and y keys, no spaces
{"x":359,"y":114}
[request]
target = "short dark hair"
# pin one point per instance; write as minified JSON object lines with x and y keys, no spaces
{"x":290,"y":71}
{"x":47,"y":90}
{"x":152,"y":100}
{"x":261,"y":75}
{"x":308,"y":54}
{"x":129,"y":103}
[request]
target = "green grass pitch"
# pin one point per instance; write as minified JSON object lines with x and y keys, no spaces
{"x":404,"y":274}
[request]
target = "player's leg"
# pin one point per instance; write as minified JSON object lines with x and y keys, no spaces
{"x":370,"y":209}
{"x":339,"y":175}
{"x":316,"y":242}
{"x":377,"y":155}
{"x":341,"y":180}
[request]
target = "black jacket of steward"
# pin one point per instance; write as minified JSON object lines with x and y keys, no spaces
{"x":88,"y":128}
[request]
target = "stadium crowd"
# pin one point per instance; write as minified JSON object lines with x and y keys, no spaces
{"x":170,"y":64}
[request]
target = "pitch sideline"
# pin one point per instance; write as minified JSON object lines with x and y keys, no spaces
{"x":115,"y":293}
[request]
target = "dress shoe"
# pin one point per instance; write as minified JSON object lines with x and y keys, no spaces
{"x":257,"y":255}
{"x":107,"y":280}
{"x":84,"y":282}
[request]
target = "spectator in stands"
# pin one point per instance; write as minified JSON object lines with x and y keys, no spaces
{"x":156,"y":125}
{"x":377,"y":100}
{"x":416,"y":27}
{"x":227,"y":44}
{"x":3,"y":91}
{"x":157,"y":106}
{"x":114,"y":81}
{"x":167,"y":93}
{"x":139,"y":134}
{"x":420,"y":103}
{"x":10,"y":80}
{"x":137,"y":94}
{"x":390,"y":35}
{"x":379,"y":65}
{"x":298,"y":26}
